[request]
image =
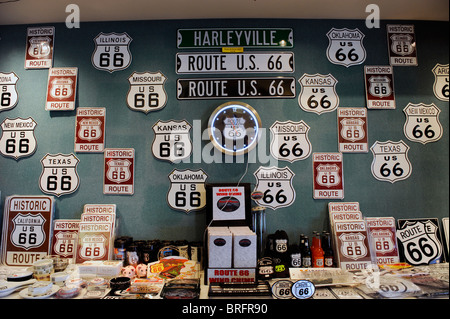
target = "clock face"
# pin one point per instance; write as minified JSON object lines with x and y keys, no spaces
{"x":234,"y":128}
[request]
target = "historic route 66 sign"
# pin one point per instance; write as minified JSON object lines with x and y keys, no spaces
{"x":318,"y":93}
{"x":379,"y":83}
{"x":59,"y":174}
{"x":112,"y":51}
{"x":352,"y":129}
{"x":118,"y":171}
{"x":172,"y":141}
{"x":290,"y":141}
{"x":18,"y":138}
{"x":346,"y":47}
{"x":146,"y":91}
{"x":61,"y":89}
{"x":276,"y":185}
{"x":39,"y":49}
{"x":422,"y":123}
{"x":187,"y":190}
{"x":402,"y":44}
{"x":8,"y":91}
{"x":328,"y":174}
{"x":390,"y":161}
{"x":440,"y":86}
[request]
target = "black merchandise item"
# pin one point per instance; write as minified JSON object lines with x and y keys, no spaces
{"x":295,"y":256}
{"x":265,"y":269}
{"x":306,"y":254}
{"x":281,"y":242}
{"x":328,"y":250}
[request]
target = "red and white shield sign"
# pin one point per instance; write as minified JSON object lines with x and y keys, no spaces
{"x":61,"y":89}
{"x":39,"y":48}
{"x":65,"y":243}
{"x":352,"y":126}
{"x":328,"y":176}
{"x":353,"y":246}
{"x":93,"y":246}
{"x":379,"y":83}
{"x":90,"y":129}
{"x":119,"y":171}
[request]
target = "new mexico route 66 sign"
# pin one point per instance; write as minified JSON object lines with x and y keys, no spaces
{"x":422,"y":123}
{"x":112,"y":51}
{"x":390,"y":161}
{"x":18,"y":138}
{"x":146,"y":91}
{"x":187,"y":190}
{"x":8,"y":91}
{"x":290,"y":141}
{"x":318,"y":93}
{"x":59,"y":174}
{"x":345,"y":47}
{"x":172,"y":141}
{"x":440,"y":86}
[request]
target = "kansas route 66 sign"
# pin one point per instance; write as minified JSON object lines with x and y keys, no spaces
{"x":172,"y":142}
{"x":318,"y":94}
{"x":187,"y":190}
{"x":346,"y":47}
{"x":276,"y":185}
{"x":390,"y":161}
{"x":112,"y":51}
{"x":422,"y":123}
{"x":59,"y":174}
{"x":146,"y":91}
{"x":18,"y":138}
{"x":290,"y":141}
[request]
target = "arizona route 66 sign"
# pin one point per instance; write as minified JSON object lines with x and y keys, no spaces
{"x":8,"y":91}
{"x":276,"y":185}
{"x":59,"y":174}
{"x":112,"y":51}
{"x":146,"y":91}
{"x":18,"y":138}
{"x":390,"y":161}
{"x":187,"y":190}
{"x":290,"y":141}
{"x":39,"y":50}
{"x":61,"y":89}
{"x":172,"y":142}
{"x":345,"y":47}
{"x":440,"y":86}
{"x":422,"y":123}
{"x":318,"y":93}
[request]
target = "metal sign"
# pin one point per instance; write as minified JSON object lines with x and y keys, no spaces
{"x":276,"y":185}
{"x":382,"y":231}
{"x":402,"y":45}
{"x":328,"y":176}
{"x":112,"y":51}
{"x":226,"y":88}
{"x":379,"y":82}
{"x":318,"y":93}
{"x":352,"y":130}
{"x":39,"y":48}
{"x":346,"y":47}
{"x":118,"y":175}
{"x":59,"y":174}
{"x":90,"y":126}
{"x":440,"y":85}
{"x":147,"y":92}
{"x":172,"y":141}
{"x":290,"y":141}
{"x":8,"y":91}
{"x":246,"y":38}
{"x":390,"y":161}
{"x":216,"y":63}
{"x":61,"y":89}
{"x":18,"y":139}
{"x":65,"y":237}
{"x":187,"y":190}
{"x":422,"y":123}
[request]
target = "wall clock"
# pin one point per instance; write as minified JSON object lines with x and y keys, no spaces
{"x":234,"y":128}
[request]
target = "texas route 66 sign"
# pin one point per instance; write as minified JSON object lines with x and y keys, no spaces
{"x":318,"y":93}
{"x":390,"y":161}
{"x":172,"y":141}
{"x":18,"y":138}
{"x":112,"y":51}
{"x":422,"y":123}
{"x":440,"y":86}
{"x":59,"y":174}
{"x":187,"y":190}
{"x":346,"y":47}
{"x":146,"y":91}
{"x":8,"y":91}
{"x":290,"y":141}
{"x":276,"y":185}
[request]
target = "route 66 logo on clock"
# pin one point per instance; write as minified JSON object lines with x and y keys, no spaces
{"x":390,"y":161}
{"x":59,"y":175}
{"x":345,"y":47}
{"x":318,"y":93}
{"x":422,"y":123}
{"x":112,"y":51}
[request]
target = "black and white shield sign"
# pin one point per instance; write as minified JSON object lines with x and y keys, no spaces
{"x":276,"y":185}
{"x":346,"y":47}
{"x":422,"y":123}
{"x":146,"y":91}
{"x":440,"y":86}
{"x":112,"y":51}
{"x":318,"y":93}
{"x":172,"y":141}
{"x":353,"y":245}
{"x":187,"y":190}
{"x":18,"y":139}
{"x":390,"y":161}
{"x":59,"y":174}
{"x":8,"y":91}
{"x":290,"y":141}
{"x":28,"y":231}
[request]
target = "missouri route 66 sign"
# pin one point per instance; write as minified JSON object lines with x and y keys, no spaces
{"x":39,"y":49}
{"x":187,"y":190}
{"x":172,"y":141}
{"x":8,"y":91}
{"x":440,"y":86}
{"x":379,"y":82}
{"x":59,"y":174}
{"x":328,"y":174}
{"x":345,"y":47}
{"x":118,"y":171}
{"x":402,"y":45}
{"x":61,"y":89}
{"x":90,"y":129}
{"x":422,"y":123}
{"x":290,"y":141}
{"x":390,"y":161}
{"x":276,"y":185}
{"x":352,"y":129}
{"x":146,"y":91}
{"x":318,"y":93}
{"x":18,"y":138}
{"x":112,"y":51}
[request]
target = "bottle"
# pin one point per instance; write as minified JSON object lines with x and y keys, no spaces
{"x":317,"y":252}
{"x":306,"y":254}
{"x":295,"y":256}
{"x":327,"y":250}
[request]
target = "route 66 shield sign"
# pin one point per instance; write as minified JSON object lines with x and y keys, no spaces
{"x":290,"y":141}
{"x":187,"y":190}
{"x":172,"y":141}
{"x":8,"y":91}
{"x":390,"y":161}
{"x":112,"y":51}
{"x":18,"y":138}
{"x":422,"y":123}
{"x":379,"y":82}
{"x":328,"y":175}
{"x":28,"y":226}
{"x":346,"y":47}
{"x":146,"y":91}
{"x":59,"y":174}
{"x":276,"y":185}
{"x":440,"y":86}
{"x":318,"y":93}
{"x":402,"y":45}
{"x":118,"y":171}
{"x":39,"y":49}
{"x":352,"y":127}
{"x":61,"y":89}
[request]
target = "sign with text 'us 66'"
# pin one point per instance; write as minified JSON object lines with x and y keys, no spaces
{"x":172,"y":141}
{"x":187,"y":190}
{"x":39,"y":48}
{"x":112,"y":51}
{"x":8,"y":91}
{"x":440,"y":85}
{"x":146,"y":93}
{"x":422,"y":123}
{"x":61,"y":89}
{"x":346,"y":47}
{"x":118,"y":176}
{"x":352,"y":129}
{"x":328,"y":174}
{"x":90,"y":126}
{"x":59,"y":174}
{"x":18,"y":139}
{"x":290,"y":141}
{"x":390,"y":161}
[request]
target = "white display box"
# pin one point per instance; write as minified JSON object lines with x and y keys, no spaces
{"x":244,"y":247}
{"x":220,"y":245}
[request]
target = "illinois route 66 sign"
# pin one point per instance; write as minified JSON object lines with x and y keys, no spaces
{"x":290,"y":141}
{"x":118,"y":171}
{"x":440,"y":86}
{"x":328,"y":176}
{"x":390,"y":161}
{"x":276,"y":185}
{"x":422,"y":123}
{"x":172,"y":141}
{"x":187,"y":190}
{"x":318,"y":93}
{"x":18,"y":138}
{"x":59,"y":174}
{"x":346,"y":47}
{"x":112,"y":51}
{"x":61,"y":89}
{"x":39,"y":49}
{"x":146,"y":91}
{"x":379,"y":82}
{"x":8,"y":91}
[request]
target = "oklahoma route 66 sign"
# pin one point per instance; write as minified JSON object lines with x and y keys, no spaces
{"x":422,"y":123}
{"x":318,"y":93}
{"x":172,"y":142}
{"x":112,"y":51}
{"x":390,"y":161}
{"x":328,"y":174}
{"x":18,"y":138}
{"x":146,"y":91}
{"x":187,"y":190}
{"x":59,"y":174}
{"x":346,"y":47}
{"x":290,"y":141}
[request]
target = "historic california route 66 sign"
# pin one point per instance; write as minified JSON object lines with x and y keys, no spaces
{"x":346,"y":47}
{"x":8,"y":91}
{"x":390,"y":161}
{"x":61,"y":89}
{"x":18,"y":138}
{"x":118,"y":171}
{"x":290,"y":141}
{"x":318,"y":93}
{"x":187,"y":190}
{"x":172,"y":141}
{"x":276,"y":185}
{"x":112,"y":51}
{"x":328,"y":174}
{"x":59,"y":174}
{"x":440,"y":86}
{"x":146,"y":91}
{"x":422,"y":123}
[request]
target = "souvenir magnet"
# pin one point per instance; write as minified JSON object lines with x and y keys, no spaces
{"x":318,"y":93}
{"x":112,"y":51}
{"x":402,"y":45}
{"x":352,"y":130}
{"x":328,"y":176}
{"x":61,"y":89}
{"x":390,"y":161}
{"x":422,"y":123}
{"x":379,"y":83}
{"x":147,"y":92}
{"x":118,"y":171}
{"x":39,"y":48}
{"x":187,"y":190}
{"x":345,"y":47}
{"x":59,"y":174}
{"x":290,"y":141}
{"x":172,"y":141}
{"x":18,"y":139}
{"x":8,"y":91}
{"x":440,"y":86}
{"x":90,"y":124}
